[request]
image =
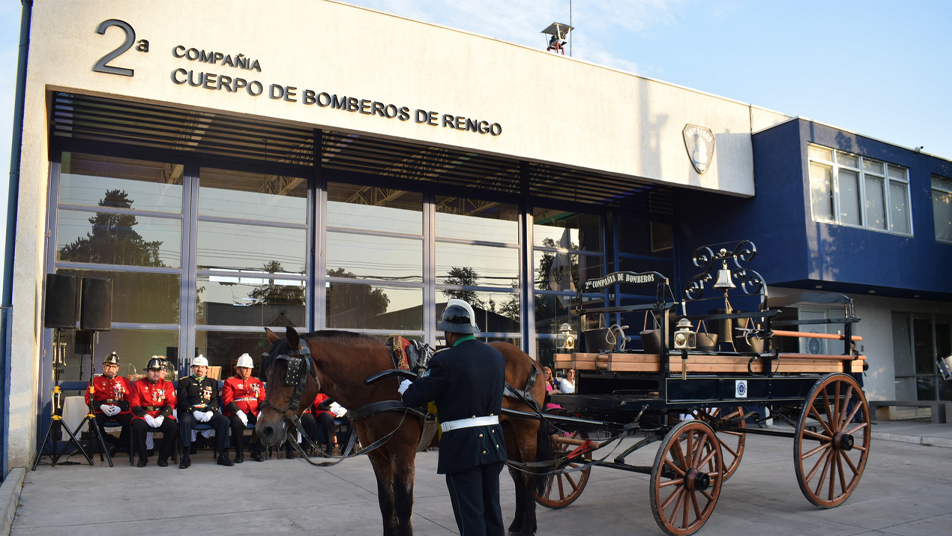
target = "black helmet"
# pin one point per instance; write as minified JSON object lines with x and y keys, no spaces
{"x":458,"y":318}
{"x":156,"y":363}
{"x":111,"y":359}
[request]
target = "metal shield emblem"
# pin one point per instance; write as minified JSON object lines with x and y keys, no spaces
{"x":699,"y":142}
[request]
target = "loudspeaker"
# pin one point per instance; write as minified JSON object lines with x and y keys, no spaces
{"x":96,"y":311}
{"x":60,"y":301}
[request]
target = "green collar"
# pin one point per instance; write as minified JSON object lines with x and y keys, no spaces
{"x":199,"y":379}
{"x":464,"y":339}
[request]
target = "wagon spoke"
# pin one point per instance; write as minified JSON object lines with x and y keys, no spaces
{"x":816,"y":435}
{"x":706,"y":459}
{"x":815,"y":450}
{"x":820,"y":420}
{"x":839,"y":469}
{"x":844,"y":406}
{"x":674,"y":496}
{"x":823,"y":474}
{"x":676,"y":447}
{"x":849,"y":462}
{"x":670,"y":483}
{"x":697,"y":508}
{"x":836,"y":404}
{"x":674,"y":467}
{"x":821,"y":459}
{"x":857,"y":428}
{"x":686,"y":509}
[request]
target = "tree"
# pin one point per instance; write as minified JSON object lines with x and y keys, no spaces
{"x":273,"y":294}
{"x":353,"y":304}
{"x":464,"y":277}
{"x":113,"y":239}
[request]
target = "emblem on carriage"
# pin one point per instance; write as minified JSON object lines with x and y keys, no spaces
{"x":699,"y":142}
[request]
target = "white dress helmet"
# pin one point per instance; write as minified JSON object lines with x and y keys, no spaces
{"x":245,"y":361}
{"x":199,"y":361}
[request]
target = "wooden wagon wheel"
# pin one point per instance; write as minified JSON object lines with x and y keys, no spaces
{"x":561,"y":489}
{"x":831,"y":445}
{"x":732,"y":443}
{"x":686,"y":478}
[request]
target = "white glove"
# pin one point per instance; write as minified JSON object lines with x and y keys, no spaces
{"x":199,"y":415}
{"x":403,"y":386}
{"x":107,"y":409}
{"x":114,"y":410}
{"x":244,"y":418}
{"x":337,"y":409}
{"x":150,"y":420}
{"x":208,"y":416}
{"x":158,"y":421}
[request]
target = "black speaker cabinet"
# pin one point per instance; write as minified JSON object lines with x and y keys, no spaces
{"x":96,"y":310}
{"x":61,"y":304}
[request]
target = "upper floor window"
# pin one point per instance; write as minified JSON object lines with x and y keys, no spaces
{"x":854,"y":190}
{"x":942,"y":208}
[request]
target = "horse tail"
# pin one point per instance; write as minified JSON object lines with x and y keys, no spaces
{"x":545,"y":452}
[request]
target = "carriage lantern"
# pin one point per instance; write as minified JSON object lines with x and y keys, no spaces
{"x":565,"y":339}
{"x":684,"y":337}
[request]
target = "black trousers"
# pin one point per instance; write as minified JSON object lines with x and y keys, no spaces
{"x":139,"y":428}
{"x":218,"y":422}
{"x":123,"y":419}
{"x":238,"y":432}
{"x":323,"y":422}
{"x":475,"y":496}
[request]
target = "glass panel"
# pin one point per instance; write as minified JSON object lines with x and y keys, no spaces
{"x":484,"y":266}
{"x":896,"y":172}
{"x":124,"y":239}
{"x":249,"y":247}
{"x":941,"y":183}
{"x":906,"y":389}
{"x":134,"y":346}
{"x":821,"y":191}
{"x":926,"y":388}
{"x":496,"y":312}
{"x":252,"y":196}
{"x":872,"y":166}
{"x":902,"y":346}
{"x":222,"y":349}
{"x":374,"y":209}
{"x":819,"y":153}
{"x":875,"y":203}
{"x":546,"y":348}
{"x":137,"y":184}
{"x":458,"y":217}
{"x":374,"y":257}
{"x":550,"y":270}
{"x":849,"y":197}
{"x":923,"y":350}
{"x":639,"y":236}
{"x":899,"y":207}
{"x":364,"y":306}
{"x":844,"y":159}
{"x":567,"y":230}
{"x":139,"y":297}
{"x":942,"y":215}
{"x":553,"y":311}
{"x":246,"y":299}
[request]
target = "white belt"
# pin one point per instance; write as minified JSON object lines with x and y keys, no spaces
{"x":469,"y":423}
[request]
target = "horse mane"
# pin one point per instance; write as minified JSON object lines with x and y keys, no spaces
{"x":332,"y":333}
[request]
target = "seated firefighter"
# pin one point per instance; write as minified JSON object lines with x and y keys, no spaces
{"x":110,"y":402}
{"x":152,"y":401}
{"x":319,"y":425}
{"x":198,"y":402}
{"x":241,"y":396}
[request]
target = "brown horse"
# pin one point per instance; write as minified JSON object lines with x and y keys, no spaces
{"x":341,"y":361}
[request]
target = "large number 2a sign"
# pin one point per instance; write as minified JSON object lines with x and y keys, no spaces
{"x":102,"y":66}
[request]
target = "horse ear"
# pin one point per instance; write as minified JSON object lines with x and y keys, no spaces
{"x":272,"y":338}
{"x":294,"y":340}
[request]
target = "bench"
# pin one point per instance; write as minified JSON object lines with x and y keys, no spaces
{"x":941,"y":410}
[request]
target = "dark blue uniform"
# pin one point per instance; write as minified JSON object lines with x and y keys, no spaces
{"x":467,"y":381}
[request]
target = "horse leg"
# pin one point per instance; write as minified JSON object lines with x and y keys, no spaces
{"x":383,"y":470}
{"x":526,"y":482}
{"x":404,"y":468}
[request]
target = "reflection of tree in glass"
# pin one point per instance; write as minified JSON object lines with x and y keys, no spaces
{"x":272,"y":293}
{"x":465,"y":277}
{"x":545,"y":306}
{"x":353,"y":302}
{"x":113,"y":240}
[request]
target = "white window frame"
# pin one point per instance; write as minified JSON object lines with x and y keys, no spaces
{"x":859,"y":169}
{"x":943,"y":185}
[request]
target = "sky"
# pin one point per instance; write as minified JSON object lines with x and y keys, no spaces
{"x":879,"y":68}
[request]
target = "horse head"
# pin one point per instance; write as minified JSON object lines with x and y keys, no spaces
{"x":292,"y":385}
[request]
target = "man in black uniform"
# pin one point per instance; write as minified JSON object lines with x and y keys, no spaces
{"x":466,"y":382}
{"x":198,"y":402}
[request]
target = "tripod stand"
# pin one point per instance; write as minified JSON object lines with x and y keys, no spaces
{"x":90,"y":417}
{"x":53,"y":431}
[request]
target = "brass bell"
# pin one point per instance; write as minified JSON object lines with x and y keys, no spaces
{"x":724,"y":279}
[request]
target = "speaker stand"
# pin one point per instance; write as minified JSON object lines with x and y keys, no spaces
{"x":90,"y":418}
{"x":53,"y":431}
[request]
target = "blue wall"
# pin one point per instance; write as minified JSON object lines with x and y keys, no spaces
{"x":794,"y":251}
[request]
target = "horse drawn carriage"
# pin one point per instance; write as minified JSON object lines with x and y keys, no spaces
{"x":698,"y":398}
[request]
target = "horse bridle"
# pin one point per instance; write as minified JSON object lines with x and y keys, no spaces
{"x":300,"y":364}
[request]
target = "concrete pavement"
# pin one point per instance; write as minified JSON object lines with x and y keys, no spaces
{"x":906,"y":489}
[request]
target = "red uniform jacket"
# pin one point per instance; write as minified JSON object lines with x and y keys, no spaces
{"x":317,"y":402}
{"x":152,"y":398}
{"x":244,"y":395}
{"x":113,"y":391}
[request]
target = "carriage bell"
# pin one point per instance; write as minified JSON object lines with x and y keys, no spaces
{"x":724,"y":280}
{"x":685,"y":338}
{"x":565,"y":339}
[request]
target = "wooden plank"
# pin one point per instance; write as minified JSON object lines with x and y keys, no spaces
{"x":801,"y":334}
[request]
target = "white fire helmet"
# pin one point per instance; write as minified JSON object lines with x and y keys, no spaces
{"x":245,"y":361}
{"x":200,"y":361}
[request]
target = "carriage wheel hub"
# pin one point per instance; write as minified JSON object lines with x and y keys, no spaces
{"x":843,"y":441}
{"x":696,"y":480}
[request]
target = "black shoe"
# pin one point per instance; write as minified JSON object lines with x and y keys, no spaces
{"x":223,"y":460}
{"x":163,"y":462}
{"x":289,"y":454}
{"x":192,"y":449}
{"x":239,"y":457}
{"x":113,"y":451}
{"x":142,"y":462}
{"x":186,"y":461}
{"x":256,"y":456}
